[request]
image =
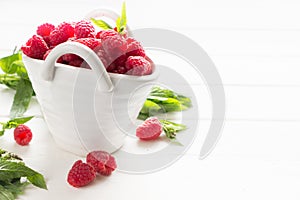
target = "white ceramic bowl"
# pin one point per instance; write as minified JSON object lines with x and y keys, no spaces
{"x":87,"y":109}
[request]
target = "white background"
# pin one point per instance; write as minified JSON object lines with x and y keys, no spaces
{"x":256,"y":48}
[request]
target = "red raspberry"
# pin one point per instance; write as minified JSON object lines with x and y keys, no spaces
{"x":61,"y":33}
{"x":45,"y":29}
{"x":114,"y":45}
{"x":120,"y":70}
{"x":103,"y":34}
{"x":81,"y":174}
{"x":70,"y":57}
{"x":35,"y":47}
{"x":138,"y":66}
{"x":134,"y":48}
{"x":84,"y":29}
{"x":106,"y":60}
{"x":118,"y":65}
{"x":92,"y":43}
{"x":76,"y":62}
{"x":59,"y":60}
{"x":103,"y":162}
{"x":22,"y":135}
{"x":150,"y":129}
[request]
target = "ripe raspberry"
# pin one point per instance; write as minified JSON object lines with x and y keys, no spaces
{"x":106,"y":60}
{"x":114,"y":45}
{"x":84,"y":29}
{"x":35,"y":47}
{"x":76,"y":62}
{"x":70,"y":57}
{"x":103,"y":162}
{"x":45,"y":29}
{"x":103,"y":34}
{"x":22,"y":135}
{"x":138,"y":66}
{"x":61,"y":33}
{"x":120,"y":70}
{"x":81,"y":174}
{"x":150,"y":129}
{"x":59,"y":60}
{"x":134,"y":48}
{"x":92,"y":43}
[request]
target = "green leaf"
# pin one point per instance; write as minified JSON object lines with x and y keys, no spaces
{"x":37,"y":180}
{"x":22,"y":98}
{"x":6,"y":63}
{"x":9,"y":80}
{"x":171,"y":128}
{"x":5,"y":194}
{"x":20,"y":120}
{"x":100,"y":23}
{"x":167,"y":104}
{"x":16,"y":187}
{"x":122,"y":20}
{"x":12,"y":170}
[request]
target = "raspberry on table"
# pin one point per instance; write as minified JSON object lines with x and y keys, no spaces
{"x":150,"y":129}
{"x":103,"y":162}
{"x":138,"y":66}
{"x":134,"y":48}
{"x":81,"y":174}
{"x":35,"y":47}
{"x":22,"y":135}
{"x":61,"y":33}
{"x":84,"y":29}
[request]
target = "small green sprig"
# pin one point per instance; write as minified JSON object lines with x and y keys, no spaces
{"x":13,"y":123}
{"x":121,"y":22}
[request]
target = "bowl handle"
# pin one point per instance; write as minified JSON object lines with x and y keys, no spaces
{"x":48,"y":71}
{"x":102,"y":12}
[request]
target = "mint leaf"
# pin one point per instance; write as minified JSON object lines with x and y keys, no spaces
{"x":6,"y":63}
{"x":16,"y":187}
{"x":13,"y":123}
{"x":22,"y":98}
{"x":171,"y":128}
{"x":122,"y":20}
{"x":20,"y":120}
{"x":5,"y":194}
{"x":12,"y":170}
{"x":9,"y":80}
{"x":100,"y":23}
{"x":37,"y":180}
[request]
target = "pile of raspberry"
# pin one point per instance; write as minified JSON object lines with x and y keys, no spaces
{"x":118,"y":52}
{"x":84,"y":173}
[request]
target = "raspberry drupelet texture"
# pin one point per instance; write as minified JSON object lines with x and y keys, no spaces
{"x":84,"y":29}
{"x":81,"y":174}
{"x":35,"y":47}
{"x":22,"y":135}
{"x":103,"y":162}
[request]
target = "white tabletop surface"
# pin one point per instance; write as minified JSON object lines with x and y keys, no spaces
{"x":256,"y":48}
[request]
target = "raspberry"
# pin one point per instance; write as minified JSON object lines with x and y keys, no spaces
{"x":103,"y":57}
{"x":103,"y":34}
{"x":35,"y":47}
{"x":70,"y":57}
{"x":114,"y":45}
{"x":92,"y":43}
{"x":150,"y":129}
{"x":45,"y":29}
{"x":84,"y":29}
{"x":103,"y":162}
{"x":22,"y":135}
{"x":59,"y":60}
{"x":81,"y":174}
{"x":120,"y":70}
{"x":118,"y":65}
{"x":134,"y":48}
{"x":138,"y":66}
{"x":76,"y":62}
{"x":61,"y":33}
